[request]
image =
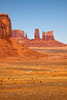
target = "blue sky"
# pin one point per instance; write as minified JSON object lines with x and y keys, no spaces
{"x":43,"y":14}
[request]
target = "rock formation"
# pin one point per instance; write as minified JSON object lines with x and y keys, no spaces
{"x":5,"y":27}
{"x":49,"y":35}
{"x":36,"y":35}
{"x":26,"y":36}
{"x":46,"y":41}
{"x":12,"y":48}
{"x":18,"y":34}
{"x":43,"y":35}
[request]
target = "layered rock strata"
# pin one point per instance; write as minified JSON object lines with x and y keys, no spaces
{"x":47,"y":40}
{"x":5,"y":27}
{"x":18,"y":34}
{"x":49,"y":35}
{"x":36,"y":35}
{"x":12,"y":48}
{"x":43,"y":35}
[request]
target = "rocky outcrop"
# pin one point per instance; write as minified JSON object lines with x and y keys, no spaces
{"x":5,"y":27}
{"x":36,"y":35}
{"x":46,"y":41}
{"x":49,"y":35}
{"x":18,"y":34}
{"x":26,"y":36}
{"x":12,"y":48}
{"x":43,"y":35}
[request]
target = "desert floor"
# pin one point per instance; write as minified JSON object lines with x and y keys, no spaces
{"x":41,"y":79}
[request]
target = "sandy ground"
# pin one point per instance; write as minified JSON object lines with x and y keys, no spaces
{"x":42,"y":79}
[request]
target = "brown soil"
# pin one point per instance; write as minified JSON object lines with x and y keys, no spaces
{"x":14,"y":49}
{"x":42,"y":79}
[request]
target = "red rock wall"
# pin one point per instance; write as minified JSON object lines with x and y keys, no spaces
{"x":18,"y":34}
{"x":26,"y":36}
{"x":46,"y":41}
{"x":36,"y":35}
{"x":49,"y":35}
{"x":43,"y":35}
{"x":5,"y":27}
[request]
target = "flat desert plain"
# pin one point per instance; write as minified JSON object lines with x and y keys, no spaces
{"x":41,"y":79}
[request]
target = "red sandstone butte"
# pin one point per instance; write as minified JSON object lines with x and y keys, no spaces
{"x":43,"y":35}
{"x":46,"y":41}
{"x":12,"y":48}
{"x":18,"y":34}
{"x":36,"y":35}
{"x":49,"y":35}
{"x":5,"y":27}
{"x":26,"y":36}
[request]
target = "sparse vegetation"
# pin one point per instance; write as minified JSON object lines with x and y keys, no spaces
{"x":42,"y":79}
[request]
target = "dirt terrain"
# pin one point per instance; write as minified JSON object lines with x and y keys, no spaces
{"x":12,"y":48}
{"x":35,"y":79}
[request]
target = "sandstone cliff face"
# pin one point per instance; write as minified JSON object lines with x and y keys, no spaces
{"x":18,"y":34}
{"x":36,"y":35}
{"x":26,"y":36}
{"x":12,"y":48}
{"x":49,"y":35}
{"x":43,"y":35}
{"x":46,"y":41}
{"x":5,"y":27}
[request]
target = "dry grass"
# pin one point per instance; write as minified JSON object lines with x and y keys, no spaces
{"x":42,"y":79}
